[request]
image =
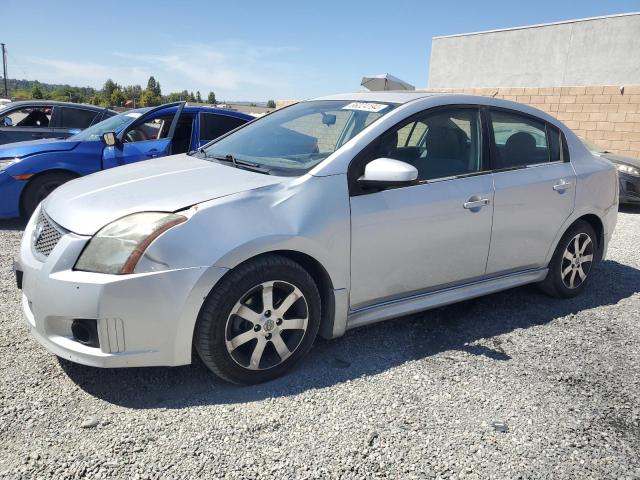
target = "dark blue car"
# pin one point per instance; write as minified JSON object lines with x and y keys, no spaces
{"x":29,"y":171}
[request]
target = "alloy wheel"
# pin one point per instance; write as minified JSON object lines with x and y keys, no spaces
{"x":577,"y":261}
{"x":267,"y":324}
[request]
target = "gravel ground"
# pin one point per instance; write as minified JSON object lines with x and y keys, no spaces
{"x":513,"y":385}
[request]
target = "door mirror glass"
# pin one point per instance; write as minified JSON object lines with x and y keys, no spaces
{"x":387,"y":172}
{"x":109,"y":139}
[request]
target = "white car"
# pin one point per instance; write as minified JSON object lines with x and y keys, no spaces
{"x":320,"y":217}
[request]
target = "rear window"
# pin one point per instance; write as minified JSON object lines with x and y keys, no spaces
{"x":213,"y":125}
{"x":76,"y":117}
{"x":520,"y":140}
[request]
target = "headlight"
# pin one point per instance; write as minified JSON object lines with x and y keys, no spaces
{"x":628,"y":169}
{"x":117,"y":247}
{"x":5,"y":162}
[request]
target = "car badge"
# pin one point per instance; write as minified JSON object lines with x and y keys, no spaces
{"x":37,"y":233}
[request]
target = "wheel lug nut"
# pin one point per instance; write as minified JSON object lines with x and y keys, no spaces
{"x":267,"y":313}
{"x":268,"y":336}
{"x":279,"y":321}
{"x":256,"y":328}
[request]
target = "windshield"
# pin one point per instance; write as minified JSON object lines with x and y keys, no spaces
{"x":293,"y":140}
{"x":112,"y":124}
{"x":592,"y":146}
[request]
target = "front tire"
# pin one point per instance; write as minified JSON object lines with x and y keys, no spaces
{"x":39,"y":188}
{"x":572,"y":262}
{"x":259,"y":321}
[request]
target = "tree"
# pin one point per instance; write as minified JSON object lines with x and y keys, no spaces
{"x":108,"y":88}
{"x":133,"y":92}
{"x":174,"y":97}
{"x":212,"y":98}
{"x":118,"y":98}
{"x":36,"y":93}
{"x":154,"y":86}
{"x":271,"y":104}
{"x":198,"y":97}
{"x":149,"y":99}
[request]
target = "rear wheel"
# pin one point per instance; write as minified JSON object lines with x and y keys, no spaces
{"x":572,"y":262}
{"x":259,"y":321}
{"x":39,"y":188}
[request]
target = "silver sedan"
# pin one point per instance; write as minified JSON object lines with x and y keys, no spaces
{"x":321,"y":217}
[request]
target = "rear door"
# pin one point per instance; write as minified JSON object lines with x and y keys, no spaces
{"x":26,"y":122}
{"x":67,"y":121}
{"x":148,"y":137}
{"x":534,"y":190}
{"x":213,"y":125}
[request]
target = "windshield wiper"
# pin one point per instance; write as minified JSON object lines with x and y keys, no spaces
{"x":254,"y":167}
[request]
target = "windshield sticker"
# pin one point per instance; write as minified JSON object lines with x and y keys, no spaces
{"x":133,"y":114}
{"x":365,"y":107}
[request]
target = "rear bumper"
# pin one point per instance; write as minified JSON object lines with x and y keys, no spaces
{"x":142,"y":319}
{"x":10,"y":191}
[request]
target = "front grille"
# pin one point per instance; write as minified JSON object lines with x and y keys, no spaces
{"x":46,"y":235}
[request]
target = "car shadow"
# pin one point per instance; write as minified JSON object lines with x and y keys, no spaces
{"x":629,"y":208}
{"x":469,"y":327}
{"x":13,"y":224}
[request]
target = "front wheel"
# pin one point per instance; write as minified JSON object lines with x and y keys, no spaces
{"x":572,"y":262}
{"x":39,"y":188}
{"x":259,"y":321}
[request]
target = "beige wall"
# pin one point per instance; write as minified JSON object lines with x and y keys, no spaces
{"x":604,"y":114}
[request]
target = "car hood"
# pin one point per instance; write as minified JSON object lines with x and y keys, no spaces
{"x":23,"y":149}
{"x":166,"y":184}
{"x":634,"y":162}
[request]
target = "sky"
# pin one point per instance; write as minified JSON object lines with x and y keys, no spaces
{"x":253,"y":50}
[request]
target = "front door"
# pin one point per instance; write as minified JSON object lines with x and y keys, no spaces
{"x":430,"y":235}
{"x":148,"y":137}
{"x":534,"y":191}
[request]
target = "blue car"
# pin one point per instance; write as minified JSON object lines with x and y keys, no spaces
{"x":29,"y":171}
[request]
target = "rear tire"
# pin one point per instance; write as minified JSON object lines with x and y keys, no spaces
{"x":572,"y":263}
{"x":39,"y":188}
{"x":259,"y":321}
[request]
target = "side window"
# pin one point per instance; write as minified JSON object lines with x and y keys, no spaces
{"x":153,"y":129}
{"x":76,"y":117}
{"x":212,"y":126}
{"x":520,"y":140}
{"x":440,"y":144}
{"x":39,"y":116}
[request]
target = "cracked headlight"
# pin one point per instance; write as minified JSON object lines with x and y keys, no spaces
{"x":117,"y":247}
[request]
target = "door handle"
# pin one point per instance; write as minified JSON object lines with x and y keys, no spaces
{"x":152,"y":153}
{"x":562,"y":186}
{"x":475,"y":203}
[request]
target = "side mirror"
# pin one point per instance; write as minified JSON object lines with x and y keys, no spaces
{"x":7,"y":122}
{"x":387,"y":172}
{"x":110,"y":139}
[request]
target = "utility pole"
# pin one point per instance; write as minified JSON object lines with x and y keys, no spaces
{"x":4,"y":68}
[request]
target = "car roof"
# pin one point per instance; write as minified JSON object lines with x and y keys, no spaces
{"x":402,"y":97}
{"x":389,"y":96}
{"x":221,"y":111}
{"x":57,"y":103}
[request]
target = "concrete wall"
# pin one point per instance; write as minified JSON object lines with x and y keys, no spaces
{"x":598,"y":51}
